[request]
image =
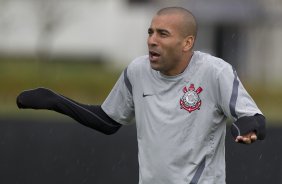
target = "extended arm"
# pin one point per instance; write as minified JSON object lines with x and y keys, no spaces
{"x":89,"y":115}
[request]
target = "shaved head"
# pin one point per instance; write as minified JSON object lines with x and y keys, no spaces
{"x":189,"y":24}
{"x":171,"y":38}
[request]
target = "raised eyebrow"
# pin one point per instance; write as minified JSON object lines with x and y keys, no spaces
{"x":163,"y":31}
{"x":159,"y":30}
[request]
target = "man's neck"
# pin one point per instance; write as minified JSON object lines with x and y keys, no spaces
{"x":182,"y":65}
{"x":185,"y":62}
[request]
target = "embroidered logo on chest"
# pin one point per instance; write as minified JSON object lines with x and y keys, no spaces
{"x":191,"y":101}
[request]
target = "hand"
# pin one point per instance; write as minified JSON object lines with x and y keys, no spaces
{"x":40,"y":98}
{"x":247,"y":139}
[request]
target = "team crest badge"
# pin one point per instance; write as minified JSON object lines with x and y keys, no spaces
{"x":191,"y":101}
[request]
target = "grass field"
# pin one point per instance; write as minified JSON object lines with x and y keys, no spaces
{"x":83,"y":81}
{"x":89,"y":82}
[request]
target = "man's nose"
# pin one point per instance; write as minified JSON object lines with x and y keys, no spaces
{"x":152,"y":41}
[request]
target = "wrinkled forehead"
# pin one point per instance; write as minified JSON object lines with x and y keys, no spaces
{"x":172,"y":22}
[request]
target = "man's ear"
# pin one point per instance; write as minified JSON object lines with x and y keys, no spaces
{"x":188,"y":43}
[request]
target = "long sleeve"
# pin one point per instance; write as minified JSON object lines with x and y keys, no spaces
{"x":89,"y":115}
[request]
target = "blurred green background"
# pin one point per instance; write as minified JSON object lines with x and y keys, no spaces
{"x":90,"y":83}
{"x":79,"y":48}
{"x":86,"y":82}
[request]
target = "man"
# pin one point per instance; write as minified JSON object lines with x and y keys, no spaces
{"x":180,"y":100}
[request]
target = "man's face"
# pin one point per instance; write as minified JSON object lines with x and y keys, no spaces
{"x":165,"y":43}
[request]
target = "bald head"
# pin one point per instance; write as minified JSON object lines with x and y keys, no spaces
{"x":188,"y":24}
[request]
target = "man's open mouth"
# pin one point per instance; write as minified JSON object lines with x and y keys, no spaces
{"x":153,"y":55}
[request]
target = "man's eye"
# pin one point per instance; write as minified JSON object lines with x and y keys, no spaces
{"x":150,"y":32}
{"x":163,"y":34}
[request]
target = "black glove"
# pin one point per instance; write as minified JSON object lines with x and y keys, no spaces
{"x":40,"y":98}
{"x":247,"y":124}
